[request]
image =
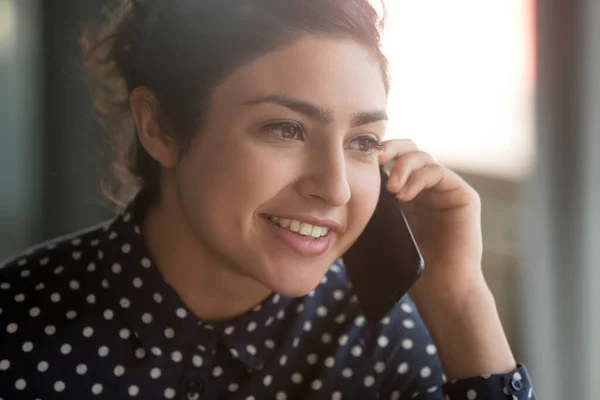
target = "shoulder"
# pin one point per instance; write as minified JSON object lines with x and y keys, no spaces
{"x":399,"y":347}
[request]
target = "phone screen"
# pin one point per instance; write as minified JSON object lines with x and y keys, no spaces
{"x":385,"y":260}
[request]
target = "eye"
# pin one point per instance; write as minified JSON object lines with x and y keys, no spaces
{"x":285,"y":131}
{"x":366,"y":144}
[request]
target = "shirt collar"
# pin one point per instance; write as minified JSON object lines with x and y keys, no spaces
{"x":137,"y":286}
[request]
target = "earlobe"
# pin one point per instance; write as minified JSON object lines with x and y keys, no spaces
{"x":145,"y":110}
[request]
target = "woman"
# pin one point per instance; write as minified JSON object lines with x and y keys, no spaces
{"x":240,"y":121}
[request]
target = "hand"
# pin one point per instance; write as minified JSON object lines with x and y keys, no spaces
{"x":444,"y":213}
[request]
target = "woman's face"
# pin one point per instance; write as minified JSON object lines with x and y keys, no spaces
{"x":289,"y":143}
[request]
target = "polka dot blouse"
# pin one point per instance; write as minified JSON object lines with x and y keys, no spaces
{"x":90,"y":317}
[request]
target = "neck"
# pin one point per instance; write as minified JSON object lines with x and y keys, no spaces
{"x":209,"y":286}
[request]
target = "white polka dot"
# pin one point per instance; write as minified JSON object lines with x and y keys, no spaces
{"x":408,"y":323}
{"x":42,"y":366}
{"x":312,"y":358}
{"x":19,"y":298}
{"x":403,"y":368}
{"x":169,"y":393}
{"x":425,"y":372}
{"x":233,"y":387}
{"x":91,"y":267}
{"x":74,"y":285}
{"x":126,"y":248}
{"x":385,"y":320}
{"x":119,"y":370}
{"x":40,"y":286}
{"x":20,"y":384}
{"x":4,"y":285}
{"x":91,"y":298}
{"x":251,"y":349}
{"x":251,"y":326}
{"x":71,"y":314}
{"x":156,"y":351}
{"x":347,"y":373}
{"x":4,"y":365}
{"x":267,"y":380}
{"x":432,"y":389}
{"x":155,"y":373}
{"x":340,"y":318}
{"x":27,"y":347}
{"x":65,"y":348}
{"x":343,"y":340}
{"x":234,"y":353}
{"x":407,"y":344}
{"x":329,"y":362}
{"x":316,"y":385}
{"x":326,"y":338}
{"x":369,"y":381}
{"x":147,"y":318}
{"x":22,"y":262}
{"x":140,"y":353}
{"x":229,"y":330}
{"x":269,"y":344}
{"x":283,"y":360}
{"x":59,"y":386}
{"x":296,"y":377}
{"x":338,"y":295}
{"x":300,"y":308}
{"x":137,"y":283}
{"x":103,"y":351}
{"x":269,"y":321}
{"x":276,"y":298}
{"x":322,"y":311}
{"x":97,"y":388}
{"x":124,"y":333}
{"x":181,"y":313}
{"x":250,"y":398}
{"x":25,"y":273}
{"x":105,"y":284}
{"x":169,"y":333}
{"x":471,"y":394}
{"x":307,"y":326}
{"x":406,"y":308}
{"x":336,"y":395}
{"x":113,"y":235}
{"x":280,"y":315}
{"x":176,"y":356}
{"x":157,"y":297}
{"x":431,"y":349}
{"x":124,"y":302}
{"x":383,"y":341}
{"x":94,"y":242}
{"x":296,"y":342}
{"x":58,"y":270}
{"x":281,"y":396}
{"x":12,"y":327}
{"x":81,"y":369}
{"x":146,"y":263}
{"x":359,"y":321}
{"x":76,"y":255}
{"x":55,"y":297}
{"x":133,"y":390}
{"x":50,"y":330}
{"x":217,"y":371}
{"x":34,"y":311}
{"x":197,"y":361}
{"x":379,"y":367}
{"x":108,"y":314}
{"x":356,"y":351}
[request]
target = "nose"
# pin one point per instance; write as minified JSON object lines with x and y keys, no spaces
{"x":326,"y":178}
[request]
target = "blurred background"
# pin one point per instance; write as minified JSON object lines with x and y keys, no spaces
{"x":507,"y":92}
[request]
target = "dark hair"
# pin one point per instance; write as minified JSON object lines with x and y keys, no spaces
{"x":181,"y":49}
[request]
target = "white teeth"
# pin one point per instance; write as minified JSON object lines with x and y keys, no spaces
{"x":305,"y":229}
{"x":300,"y":227}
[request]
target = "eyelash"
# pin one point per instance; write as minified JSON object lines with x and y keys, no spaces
{"x":374,"y":145}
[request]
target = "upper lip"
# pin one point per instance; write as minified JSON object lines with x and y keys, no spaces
{"x":309,"y":219}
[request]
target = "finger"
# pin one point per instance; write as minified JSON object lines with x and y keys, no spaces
{"x":405,"y":166}
{"x":395,"y":148}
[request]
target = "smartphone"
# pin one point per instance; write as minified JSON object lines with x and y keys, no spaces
{"x":385,"y":260}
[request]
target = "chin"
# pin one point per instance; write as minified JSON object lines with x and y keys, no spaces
{"x":293,"y":284}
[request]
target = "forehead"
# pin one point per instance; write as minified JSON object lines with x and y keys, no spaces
{"x":338,"y":74}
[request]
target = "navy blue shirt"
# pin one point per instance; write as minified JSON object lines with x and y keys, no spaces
{"x":91,"y":317}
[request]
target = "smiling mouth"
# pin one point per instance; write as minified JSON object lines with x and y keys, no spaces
{"x":299,"y":227}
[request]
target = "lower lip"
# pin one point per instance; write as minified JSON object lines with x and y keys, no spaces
{"x":303,"y":245}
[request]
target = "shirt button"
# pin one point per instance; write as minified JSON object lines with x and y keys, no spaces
{"x":195,"y":389}
{"x":516,"y":382}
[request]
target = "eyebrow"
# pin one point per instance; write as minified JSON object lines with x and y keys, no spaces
{"x":319,"y":114}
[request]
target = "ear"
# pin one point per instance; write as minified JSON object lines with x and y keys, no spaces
{"x":146,"y":110}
